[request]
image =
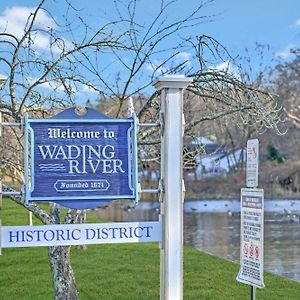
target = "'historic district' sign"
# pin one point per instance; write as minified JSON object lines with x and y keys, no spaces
{"x":81,"y":159}
{"x":79,"y":234}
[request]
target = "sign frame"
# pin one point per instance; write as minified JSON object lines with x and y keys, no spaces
{"x":92,"y":117}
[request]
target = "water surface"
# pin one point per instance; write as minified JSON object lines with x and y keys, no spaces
{"x":213,"y":226}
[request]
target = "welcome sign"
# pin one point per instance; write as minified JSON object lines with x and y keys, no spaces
{"x":81,"y":159}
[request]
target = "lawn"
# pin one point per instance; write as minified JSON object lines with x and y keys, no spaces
{"x":124,"y":271}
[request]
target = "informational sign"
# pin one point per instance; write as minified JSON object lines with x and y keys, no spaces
{"x":79,"y":234}
{"x":81,"y":159}
{"x":252,"y":163}
{"x":252,"y":236}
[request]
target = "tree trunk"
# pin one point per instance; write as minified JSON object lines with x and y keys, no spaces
{"x":81,"y":220}
{"x":62,"y":272}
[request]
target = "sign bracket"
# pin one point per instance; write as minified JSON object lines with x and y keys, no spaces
{"x":150,"y":191}
{"x":149,"y":124}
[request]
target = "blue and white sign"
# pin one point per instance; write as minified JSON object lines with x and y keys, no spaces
{"x":81,"y":159}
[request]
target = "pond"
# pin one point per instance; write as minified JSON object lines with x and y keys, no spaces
{"x":213,"y":226}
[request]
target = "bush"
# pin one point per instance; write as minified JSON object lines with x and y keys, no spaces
{"x":275,"y":155}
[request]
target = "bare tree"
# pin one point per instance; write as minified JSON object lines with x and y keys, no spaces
{"x":284,"y":79}
{"x":41,"y":81}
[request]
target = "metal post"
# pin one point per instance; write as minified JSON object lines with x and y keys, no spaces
{"x":130,"y":110}
{"x":30,"y":221}
{"x":0,"y":123}
{"x":2,"y":83}
{"x":171,"y":256}
{"x":131,"y":113}
{"x":252,"y":292}
{"x":0,"y":237}
{"x":26,"y":157}
{"x":1,"y":194}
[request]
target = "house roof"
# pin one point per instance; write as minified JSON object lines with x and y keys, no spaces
{"x":208,"y":145}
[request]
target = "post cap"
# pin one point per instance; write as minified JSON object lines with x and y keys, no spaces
{"x":172,"y":81}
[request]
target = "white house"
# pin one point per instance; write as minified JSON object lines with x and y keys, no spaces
{"x":215,"y":161}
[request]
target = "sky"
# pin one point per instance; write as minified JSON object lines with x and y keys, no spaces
{"x":269,"y":22}
{"x":236,"y":24}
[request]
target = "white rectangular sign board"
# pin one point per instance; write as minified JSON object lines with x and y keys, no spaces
{"x":252,"y":237}
{"x":79,"y":234}
{"x":252,"y":163}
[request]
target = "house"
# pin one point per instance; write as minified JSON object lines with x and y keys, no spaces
{"x":202,"y":158}
{"x":214,"y":159}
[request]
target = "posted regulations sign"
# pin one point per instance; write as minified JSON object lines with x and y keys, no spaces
{"x":252,"y":236}
{"x":252,"y":163}
{"x":81,"y":159}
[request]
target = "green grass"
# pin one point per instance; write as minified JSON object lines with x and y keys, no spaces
{"x":125,"y":271}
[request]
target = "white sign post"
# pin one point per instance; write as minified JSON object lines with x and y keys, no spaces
{"x":171,"y":278}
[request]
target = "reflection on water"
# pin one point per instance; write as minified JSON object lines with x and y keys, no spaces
{"x":218,"y":233}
